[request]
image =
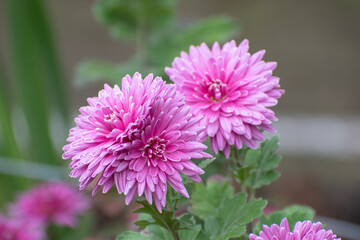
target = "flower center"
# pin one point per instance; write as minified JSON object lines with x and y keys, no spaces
{"x":216,"y":90}
{"x":110,"y":117}
{"x":154,"y":148}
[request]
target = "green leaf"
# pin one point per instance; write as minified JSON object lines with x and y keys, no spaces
{"x":164,"y":219}
{"x":189,"y":229}
{"x":158,"y":233}
{"x":145,"y":219}
{"x":119,"y":15}
{"x":296,"y":213}
{"x":219,"y":28}
{"x":190,"y":234}
{"x":154,"y":233}
{"x":273,"y":218}
{"x":124,"y":17}
{"x":206,"y":163}
{"x":230,"y":219}
{"x":211,"y":226}
{"x":266,"y":178}
{"x":129,"y":235}
{"x":187,"y":221}
{"x":142,"y":224}
{"x":273,"y":161}
{"x":293,"y":214}
{"x":207,"y":199}
{"x":99,"y":71}
{"x":203,"y":236}
{"x":259,"y":164}
{"x":173,"y":195}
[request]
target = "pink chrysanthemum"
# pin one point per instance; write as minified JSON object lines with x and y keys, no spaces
{"x":11,"y":229}
{"x":139,"y":138}
{"x":231,"y":89}
{"x":54,"y":202}
{"x":305,"y":230}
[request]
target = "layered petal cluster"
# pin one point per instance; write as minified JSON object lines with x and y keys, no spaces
{"x":140,"y":138}
{"x":11,"y":229}
{"x":305,"y":230}
{"x":232,"y":89}
{"x":54,"y":202}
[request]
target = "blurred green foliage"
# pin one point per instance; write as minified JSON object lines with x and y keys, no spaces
{"x":35,"y":71}
{"x":257,"y":167}
{"x":124,"y":16}
{"x":225,"y":215}
{"x":158,"y":35}
{"x":8,"y":145}
{"x":84,"y":228}
{"x":293,"y":213}
{"x":152,"y":219}
{"x":174,"y":198}
{"x":230,"y":218}
{"x":164,"y":50}
{"x":95,"y":71}
{"x":261,"y":163}
{"x":220,"y":215}
{"x":36,"y":80}
{"x":190,"y":228}
{"x":206,"y":199}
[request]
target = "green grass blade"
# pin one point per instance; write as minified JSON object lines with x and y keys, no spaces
{"x":10,"y":147}
{"x":48,"y":57}
{"x":9,"y":185}
{"x":29,"y":77}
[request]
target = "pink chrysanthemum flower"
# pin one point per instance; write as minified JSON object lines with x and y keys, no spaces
{"x":305,"y":230}
{"x":231,"y":89}
{"x":139,"y":137}
{"x":11,"y":229}
{"x":54,"y":202}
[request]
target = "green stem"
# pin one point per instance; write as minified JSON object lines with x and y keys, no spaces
{"x":175,"y":204}
{"x":250,"y":228}
{"x":173,"y":233}
{"x":236,"y":156}
{"x":252,"y":194}
{"x":238,"y":160}
{"x":53,"y":232}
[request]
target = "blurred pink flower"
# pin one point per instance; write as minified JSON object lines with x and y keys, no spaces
{"x":305,"y":230}
{"x":54,"y":202}
{"x":139,"y":137}
{"x":232,"y":89}
{"x":11,"y":229}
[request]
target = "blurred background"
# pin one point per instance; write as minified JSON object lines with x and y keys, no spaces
{"x":55,"y":54}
